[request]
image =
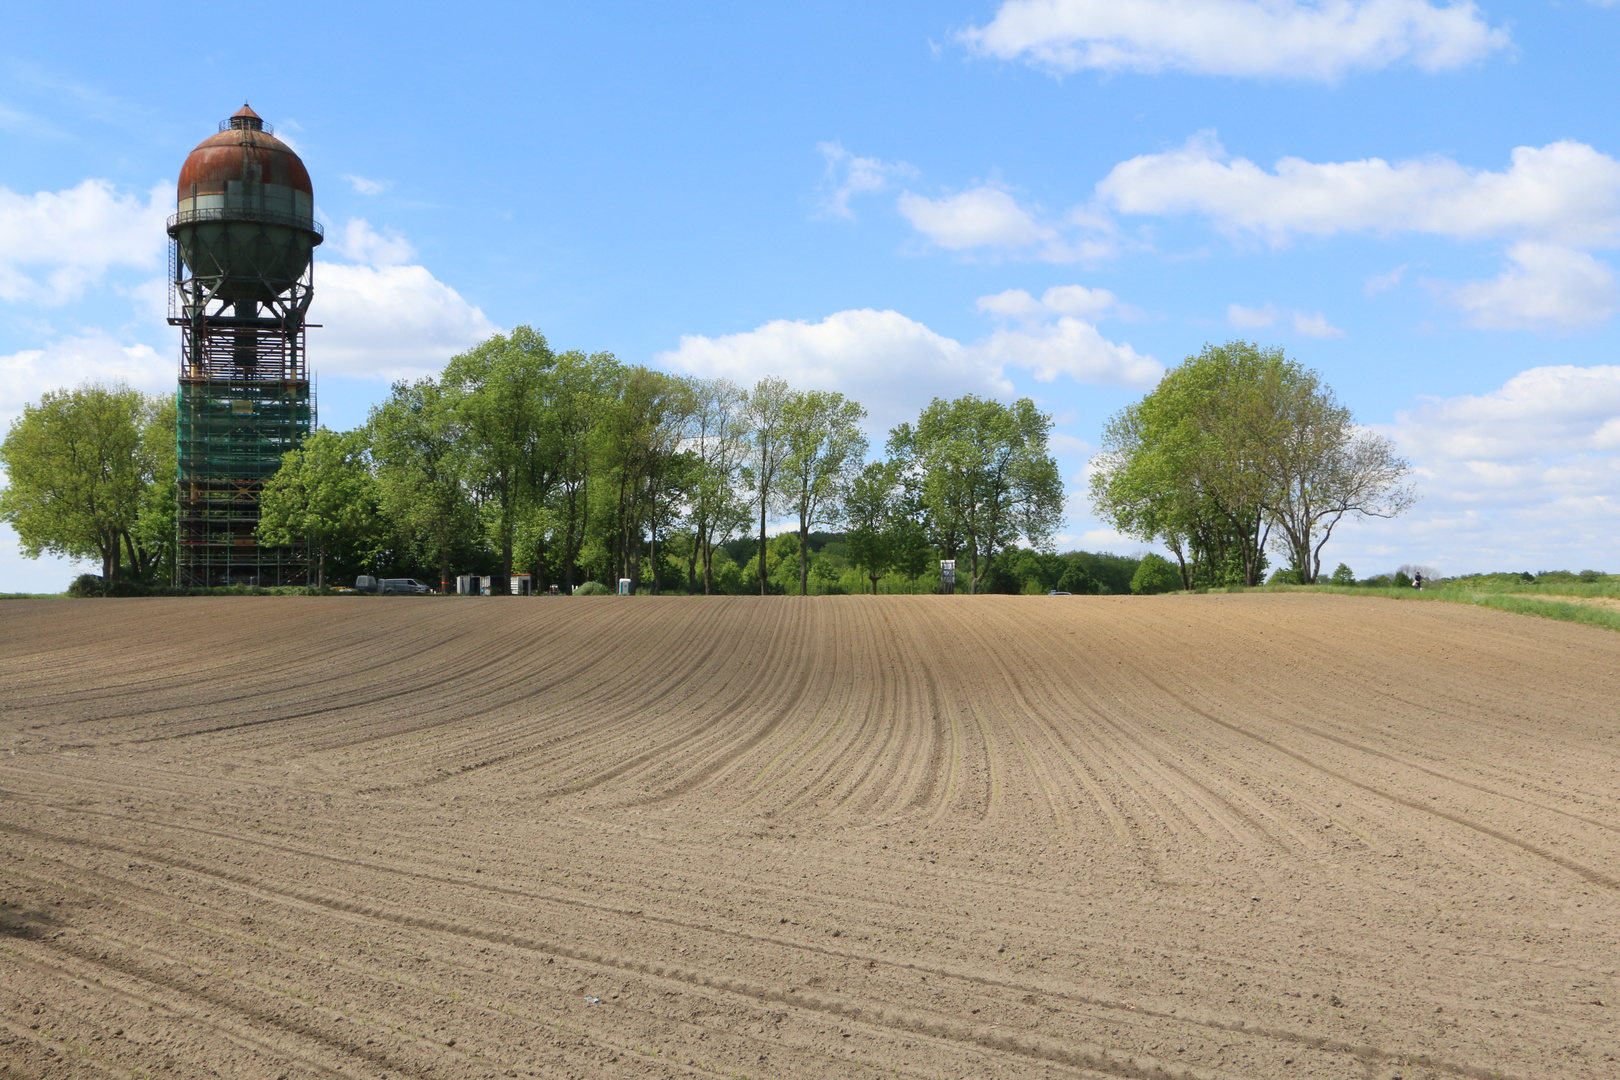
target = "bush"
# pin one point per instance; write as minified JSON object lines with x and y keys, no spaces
{"x":728,"y":576}
{"x":1286,"y":577}
{"x":86,"y":585}
{"x":1076,"y":580}
{"x":1402,"y":581}
{"x":1155,"y":575}
{"x":593,"y":588}
{"x":1343,"y":575}
{"x":91,"y":585}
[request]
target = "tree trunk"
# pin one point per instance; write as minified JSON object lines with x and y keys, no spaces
{"x":134,"y":553}
{"x":691,"y":563}
{"x":320,"y":574}
{"x":804,"y":555}
{"x":762,"y":541}
{"x":658,"y":580}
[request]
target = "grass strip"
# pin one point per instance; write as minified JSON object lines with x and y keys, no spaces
{"x":1539,"y":607}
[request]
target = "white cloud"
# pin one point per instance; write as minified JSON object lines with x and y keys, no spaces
{"x":1560,"y":410}
{"x":894,"y":365}
{"x":1074,"y":300}
{"x":1080,"y":301}
{"x":980,"y":217}
{"x":1070,"y":445}
{"x":1074,"y":348}
{"x":91,"y":357}
{"x":1286,"y":38}
{"x":1521,"y":478}
{"x":1013,"y":304}
{"x":1546,"y":288}
{"x":889,"y":363}
{"x":357,"y":240}
{"x":1564,"y":192}
{"x":1315,"y":325}
{"x":54,"y":244}
{"x":988,"y":217}
{"x":1245,"y":318}
{"x":386,"y":318}
{"x":848,"y":176}
{"x":1309,"y":324}
{"x":388,"y":322}
{"x":367,"y":187}
{"x":1383,"y":282}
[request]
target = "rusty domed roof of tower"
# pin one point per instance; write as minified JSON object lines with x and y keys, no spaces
{"x":242,"y":151}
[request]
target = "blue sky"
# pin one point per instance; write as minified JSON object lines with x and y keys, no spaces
{"x":1056,"y":198}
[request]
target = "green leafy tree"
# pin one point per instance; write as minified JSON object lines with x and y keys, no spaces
{"x":581,"y":392}
{"x":1315,"y":465}
{"x":1076,"y":580}
{"x":871,"y":505}
{"x":1343,"y":575}
{"x":1155,"y":575}
{"x":1234,"y":443}
{"x":1182,"y":467}
{"x":325,"y":495}
{"x":825,"y":446}
{"x":719,"y":441}
{"x":1111,"y":573}
{"x":501,"y":389}
{"x":77,"y":473}
{"x":765,"y":413}
{"x":420,"y":461}
{"x":645,"y":466}
{"x":155,"y":540}
{"x":984,"y":474}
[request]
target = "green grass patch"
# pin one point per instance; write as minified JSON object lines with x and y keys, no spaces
{"x":1513,"y":599}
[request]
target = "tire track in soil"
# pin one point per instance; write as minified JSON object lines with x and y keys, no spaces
{"x":1579,"y":869}
{"x":913,"y":1021}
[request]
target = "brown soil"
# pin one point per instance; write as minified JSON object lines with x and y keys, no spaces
{"x":1256,"y":835}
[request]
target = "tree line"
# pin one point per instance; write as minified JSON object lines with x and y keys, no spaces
{"x":577,"y":468}
{"x":574,"y":467}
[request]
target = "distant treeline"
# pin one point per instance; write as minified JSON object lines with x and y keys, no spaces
{"x":575,"y":468}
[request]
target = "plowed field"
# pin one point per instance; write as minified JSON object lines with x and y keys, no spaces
{"x":1241,"y":836}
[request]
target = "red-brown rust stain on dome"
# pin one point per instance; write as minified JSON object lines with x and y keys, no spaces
{"x":226,"y":156}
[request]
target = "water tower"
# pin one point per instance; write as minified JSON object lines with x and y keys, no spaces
{"x":240,"y":258}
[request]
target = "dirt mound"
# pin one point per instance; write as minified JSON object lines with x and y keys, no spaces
{"x":1256,"y":835}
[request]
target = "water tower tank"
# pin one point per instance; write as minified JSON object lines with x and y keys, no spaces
{"x":245,"y":221}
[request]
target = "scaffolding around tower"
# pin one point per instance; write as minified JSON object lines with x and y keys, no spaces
{"x":233,"y":424}
{"x":242,"y":280}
